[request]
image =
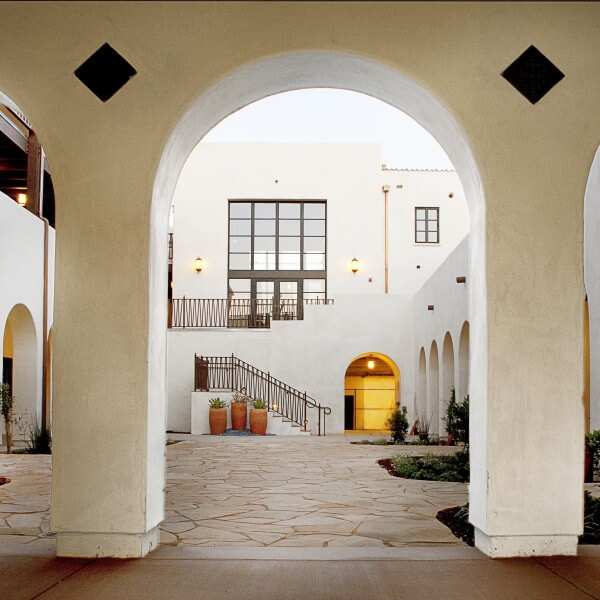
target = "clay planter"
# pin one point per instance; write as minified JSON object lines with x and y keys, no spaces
{"x":217,"y":419}
{"x":258,"y":421}
{"x":239,"y":413}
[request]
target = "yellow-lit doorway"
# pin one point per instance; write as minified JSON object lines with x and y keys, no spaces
{"x":371,"y":389}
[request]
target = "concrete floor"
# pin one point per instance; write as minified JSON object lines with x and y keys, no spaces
{"x":303,"y":574}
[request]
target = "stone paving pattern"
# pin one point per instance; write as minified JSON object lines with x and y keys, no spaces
{"x":251,"y":492}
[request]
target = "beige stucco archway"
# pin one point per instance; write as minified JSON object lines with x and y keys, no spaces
{"x":111,"y":315}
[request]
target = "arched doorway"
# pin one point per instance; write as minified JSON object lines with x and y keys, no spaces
{"x":447,"y":377}
{"x":463,"y":362}
{"x":421,"y":407}
{"x":433,"y":388}
{"x":371,"y":390}
{"x":20,"y":366}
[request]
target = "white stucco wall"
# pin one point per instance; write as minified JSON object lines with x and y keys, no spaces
{"x":450,"y":311}
{"x":22,"y":286}
{"x":591,"y":254}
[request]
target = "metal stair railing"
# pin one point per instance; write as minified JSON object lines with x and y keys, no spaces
{"x":231,"y":373}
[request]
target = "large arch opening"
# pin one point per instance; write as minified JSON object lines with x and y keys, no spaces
{"x":20,"y":367}
{"x":433,"y":388}
{"x":447,"y":376}
{"x":371,"y":392}
{"x":463,"y":361}
{"x":284,"y":73}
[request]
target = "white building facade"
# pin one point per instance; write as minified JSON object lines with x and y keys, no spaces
{"x":280,"y":224}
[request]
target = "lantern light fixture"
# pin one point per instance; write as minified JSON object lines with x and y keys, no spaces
{"x":22,"y":199}
{"x":354,"y":265}
{"x":198,"y":264}
{"x":371,"y":364}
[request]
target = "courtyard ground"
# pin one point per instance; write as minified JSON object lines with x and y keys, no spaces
{"x":279,"y":518}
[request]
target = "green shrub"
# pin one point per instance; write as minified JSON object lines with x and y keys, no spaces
{"x":376,"y":442}
{"x":398,"y":423}
{"x":433,"y":468}
{"x":217,"y":403}
{"x":259,"y":404}
{"x":457,"y":418}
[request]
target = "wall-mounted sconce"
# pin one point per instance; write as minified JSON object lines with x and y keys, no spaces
{"x":430,"y":307}
{"x":371,"y":364}
{"x":22,"y":199}
{"x":354,"y":265}
{"x":462,"y":279}
{"x":198,"y":265}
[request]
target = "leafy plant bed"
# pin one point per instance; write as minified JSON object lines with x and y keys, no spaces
{"x":457,"y":520}
{"x":429,"y":467}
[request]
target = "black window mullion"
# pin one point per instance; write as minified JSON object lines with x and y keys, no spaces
{"x":277,"y":236}
{"x":252,"y":236}
{"x":302,"y":265}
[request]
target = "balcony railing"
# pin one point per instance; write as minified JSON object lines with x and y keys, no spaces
{"x":221,"y":312}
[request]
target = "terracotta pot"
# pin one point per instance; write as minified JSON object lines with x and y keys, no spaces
{"x":258,"y":421}
{"x":589,"y":468}
{"x":217,"y":419}
{"x":239,"y":413}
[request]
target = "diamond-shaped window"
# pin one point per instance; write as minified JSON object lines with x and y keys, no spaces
{"x":533,"y":74}
{"x":105,"y":72}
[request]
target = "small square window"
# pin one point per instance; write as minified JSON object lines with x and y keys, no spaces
{"x":427,"y":225}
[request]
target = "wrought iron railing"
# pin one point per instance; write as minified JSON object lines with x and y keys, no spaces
{"x":232,"y":374}
{"x":221,"y":312}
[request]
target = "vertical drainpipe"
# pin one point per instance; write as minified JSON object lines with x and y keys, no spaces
{"x":386,"y":189}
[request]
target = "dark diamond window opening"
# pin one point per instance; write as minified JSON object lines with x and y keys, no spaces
{"x":105,"y":72}
{"x":533,"y":74}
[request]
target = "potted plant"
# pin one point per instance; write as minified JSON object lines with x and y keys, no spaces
{"x":217,"y":416}
{"x":6,"y":408}
{"x":239,"y":412}
{"x":592,"y":445}
{"x":258,"y":417}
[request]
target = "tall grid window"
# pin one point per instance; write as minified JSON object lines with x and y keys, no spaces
{"x":277,"y":248}
{"x":427,"y":225}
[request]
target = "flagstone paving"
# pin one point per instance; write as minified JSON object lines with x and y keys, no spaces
{"x":244,"y":492}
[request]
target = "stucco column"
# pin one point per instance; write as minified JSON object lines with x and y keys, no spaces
{"x":526,"y":492}
{"x":108,"y":424}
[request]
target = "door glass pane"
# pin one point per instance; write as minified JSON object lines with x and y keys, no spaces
{"x":420,"y":236}
{"x":239,"y":261}
{"x":420,"y":225}
{"x":289,"y":227}
{"x":314,"y":285}
{"x":314,"y":227}
{"x":263,"y":210}
{"x":314,"y":244}
{"x":314,"y":210}
{"x":420,"y":213}
{"x":288,"y":290}
{"x":433,"y":237}
{"x":240,"y":210}
{"x":432,"y":214}
{"x":432,"y":225}
{"x":289,"y":210}
{"x":239,"y":244}
{"x":314,"y":262}
{"x":265,"y":290}
{"x":238,"y":227}
{"x":238,"y":289}
{"x":264,"y":227}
